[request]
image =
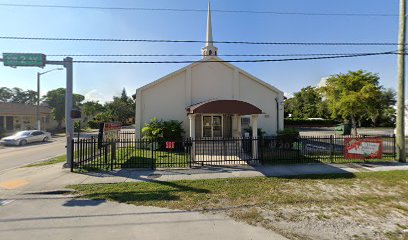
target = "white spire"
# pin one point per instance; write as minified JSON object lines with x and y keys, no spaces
{"x":209,"y":49}
{"x":209,"y":27}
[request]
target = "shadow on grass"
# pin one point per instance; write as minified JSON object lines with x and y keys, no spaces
{"x":316,"y":170}
{"x":138,"y":162}
{"x":123,"y":192}
{"x":346,"y":175}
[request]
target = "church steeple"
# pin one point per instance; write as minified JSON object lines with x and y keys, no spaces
{"x":209,"y":49}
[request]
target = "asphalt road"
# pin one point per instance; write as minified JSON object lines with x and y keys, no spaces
{"x":17,"y":156}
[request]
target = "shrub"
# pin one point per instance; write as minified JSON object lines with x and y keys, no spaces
{"x":93,"y":124}
{"x":289,"y":132}
{"x":163,"y":130}
{"x":287,"y":137}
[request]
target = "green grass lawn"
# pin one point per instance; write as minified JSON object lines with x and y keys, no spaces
{"x":138,"y":158}
{"x":362,"y":202}
{"x":54,"y":160}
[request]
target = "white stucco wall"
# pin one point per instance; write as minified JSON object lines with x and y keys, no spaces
{"x":165,"y":101}
{"x":211,"y":81}
{"x":168,"y":97}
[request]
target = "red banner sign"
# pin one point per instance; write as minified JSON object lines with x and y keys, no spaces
{"x":363,"y":148}
{"x":111,"y":131}
{"x":170,"y":145}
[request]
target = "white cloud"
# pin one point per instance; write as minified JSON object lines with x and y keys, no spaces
{"x":288,"y":95}
{"x":95,"y":95}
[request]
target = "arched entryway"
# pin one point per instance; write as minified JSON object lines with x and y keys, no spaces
{"x":215,"y":126}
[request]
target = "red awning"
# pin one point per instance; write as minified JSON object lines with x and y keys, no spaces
{"x":224,"y":107}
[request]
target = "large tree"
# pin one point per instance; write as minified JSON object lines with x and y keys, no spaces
{"x":121,"y":108}
{"x":5,"y":94}
{"x":56,"y":99}
{"x":18,"y":95}
{"x":91,"y":108}
{"x":21,"y":96}
{"x":384,"y":112}
{"x":307,"y":103}
{"x":353,"y":95}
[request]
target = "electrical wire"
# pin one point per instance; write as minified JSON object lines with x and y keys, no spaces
{"x":198,"y":41}
{"x":199,"y":55}
{"x":236,"y":61}
{"x":200,"y":10}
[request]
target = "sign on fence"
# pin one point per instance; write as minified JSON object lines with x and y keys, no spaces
{"x":108,"y":132}
{"x":170,"y":145}
{"x":358,"y":148}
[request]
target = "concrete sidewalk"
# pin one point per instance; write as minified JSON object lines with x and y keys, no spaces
{"x":52,"y":177}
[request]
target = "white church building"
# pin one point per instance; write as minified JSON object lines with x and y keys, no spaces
{"x":213,"y":98}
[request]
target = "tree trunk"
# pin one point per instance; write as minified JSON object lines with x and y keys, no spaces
{"x":354,"y":125}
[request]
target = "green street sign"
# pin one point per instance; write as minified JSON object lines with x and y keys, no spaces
{"x":24,"y":59}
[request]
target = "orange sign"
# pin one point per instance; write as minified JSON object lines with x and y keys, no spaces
{"x":363,"y":148}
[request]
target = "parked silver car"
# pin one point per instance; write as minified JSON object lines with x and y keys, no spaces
{"x":23,"y":137}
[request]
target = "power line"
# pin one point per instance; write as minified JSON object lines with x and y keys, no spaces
{"x":236,"y":61}
{"x":198,"y":41}
{"x":200,"y":10}
{"x":199,"y":55}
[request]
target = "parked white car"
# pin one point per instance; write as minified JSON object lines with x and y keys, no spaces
{"x":23,"y":137}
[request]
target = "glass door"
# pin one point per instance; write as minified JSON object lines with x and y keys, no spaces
{"x":216,"y":126}
{"x":212,"y":126}
{"x":207,"y":129}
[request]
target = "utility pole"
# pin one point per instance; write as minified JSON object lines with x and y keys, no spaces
{"x":401,"y":85}
{"x":69,"y":126}
{"x":38,"y":102}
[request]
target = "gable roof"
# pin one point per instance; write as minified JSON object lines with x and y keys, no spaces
{"x":7,"y":108}
{"x":204,"y":60}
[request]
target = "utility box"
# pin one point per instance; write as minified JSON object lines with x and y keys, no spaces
{"x":343,"y":129}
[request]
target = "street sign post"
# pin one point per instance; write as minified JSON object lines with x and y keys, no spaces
{"x":24,"y":59}
{"x":39,"y":60}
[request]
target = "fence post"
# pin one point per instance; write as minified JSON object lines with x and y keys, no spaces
{"x":153,"y":160}
{"x":394,"y":152}
{"x":72,"y":155}
{"x":299,"y":146}
{"x":190,"y":151}
{"x":106,"y":147}
{"x":113,"y":154}
{"x":331,"y":148}
{"x":261,"y":148}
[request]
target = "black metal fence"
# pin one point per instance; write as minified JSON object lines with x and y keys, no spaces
{"x":326,"y":149}
{"x":128,"y":152}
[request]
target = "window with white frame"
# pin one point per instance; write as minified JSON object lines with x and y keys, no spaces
{"x":212,"y":126}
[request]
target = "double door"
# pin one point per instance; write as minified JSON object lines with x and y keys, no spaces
{"x":212,"y":126}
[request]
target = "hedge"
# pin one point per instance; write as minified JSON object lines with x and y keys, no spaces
{"x":310,"y":122}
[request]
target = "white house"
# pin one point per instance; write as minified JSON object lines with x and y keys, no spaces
{"x":213,"y":99}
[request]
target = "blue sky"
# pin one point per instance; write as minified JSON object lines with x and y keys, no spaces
{"x":103,"y":81}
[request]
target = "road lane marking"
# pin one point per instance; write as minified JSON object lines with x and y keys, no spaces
{"x":13,"y":184}
{"x":4,"y":202}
